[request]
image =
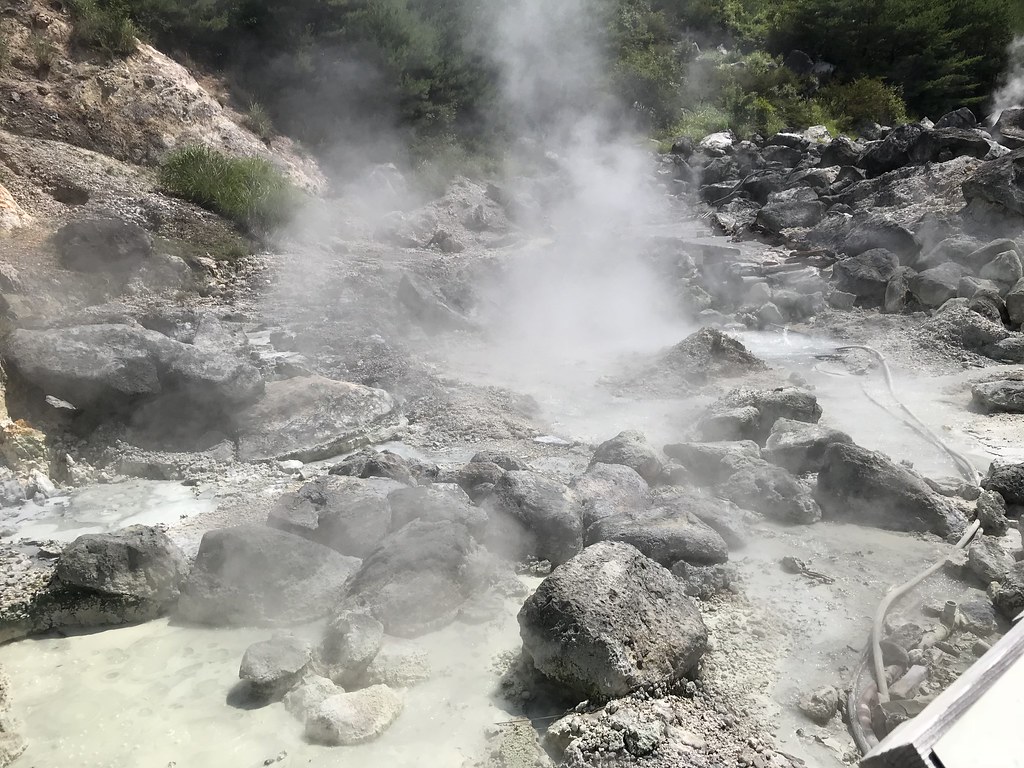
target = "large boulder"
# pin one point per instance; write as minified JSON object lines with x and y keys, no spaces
{"x":107,"y":365}
{"x":866,"y":275}
{"x":862,"y":486}
{"x":418,"y":579}
{"x":943,"y":144}
{"x":706,"y":355}
{"x":959,"y":118}
{"x":1009,"y":128}
{"x":533,"y":515}
{"x":750,"y":414}
{"x":793,"y":208}
{"x":892,"y":152}
{"x":666,"y":534}
{"x":772,"y":491}
{"x":1015,"y":304}
{"x":799,"y":446}
{"x":309,"y":418}
{"x":610,"y":621}
{"x":723,"y":517}
{"x":1007,"y":480}
{"x":1003,"y":396}
{"x":254,"y":575}
{"x":350,"y":643}
{"x":440,"y":502}
{"x":935,"y":286}
{"x":999,"y":184}
{"x":353,"y":718}
{"x":346,"y":514}
{"x":609,"y":489}
{"x":102,"y":245}
{"x":631,"y":449}
{"x":711,"y":463}
{"x":272,"y":667}
{"x":138,"y":562}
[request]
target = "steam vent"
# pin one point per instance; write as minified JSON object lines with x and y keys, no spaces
{"x":511,"y":384}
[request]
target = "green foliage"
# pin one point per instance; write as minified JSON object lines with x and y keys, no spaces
{"x":647,"y":73}
{"x":249,"y":191}
{"x":258,"y":120}
{"x":865,"y":100}
{"x":105,"y":26}
{"x":697,"y":123}
{"x":43,"y":51}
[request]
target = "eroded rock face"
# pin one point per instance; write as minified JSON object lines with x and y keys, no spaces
{"x":611,"y":620}
{"x":255,"y":575}
{"x":309,"y":418}
{"x":865,"y":487}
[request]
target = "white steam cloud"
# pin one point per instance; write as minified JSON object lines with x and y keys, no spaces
{"x":1011,"y":92}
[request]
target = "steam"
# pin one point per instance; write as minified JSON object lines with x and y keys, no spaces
{"x":1011,"y":93}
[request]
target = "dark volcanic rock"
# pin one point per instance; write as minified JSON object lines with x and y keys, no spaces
{"x":1007,"y":480}
{"x":1005,"y":396}
{"x":437,"y":503}
{"x":309,"y":418}
{"x":664,"y":534}
{"x":865,"y":487}
{"x":721,"y":516}
{"x":799,"y":446}
{"x":866,"y":275}
{"x":892,"y":152}
{"x":730,"y":417}
{"x":346,"y":514}
{"x":630,"y":449}
{"x":1008,"y":598}
{"x":102,"y":245}
{"x":610,"y":621}
{"x":370,"y":463}
{"x":958,"y":118}
{"x":773,"y":492}
{"x":418,"y":579}
{"x":711,"y":463}
{"x":531,"y":514}
{"x":254,"y":575}
{"x":799,"y":207}
{"x":935,"y":286}
{"x":999,"y":184}
{"x":1009,"y":128}
{"x":703,"y":356}
{"x":609,"y":489}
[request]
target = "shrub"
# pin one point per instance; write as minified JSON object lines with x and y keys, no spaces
{"x":104,"y":27}
{"x":247,"y":190}
{"x":697,"y":123}
{"x":865,"y":100}
{"x":43,"y":51}
{"x":258,"y":120}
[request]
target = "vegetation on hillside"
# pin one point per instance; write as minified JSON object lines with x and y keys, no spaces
{"x":324,"y":69}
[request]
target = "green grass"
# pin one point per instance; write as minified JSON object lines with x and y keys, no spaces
{"x":104,"y":28}
{"x":258,"y":120}
{"x":247,"y":190}
{"x":43,"y":51}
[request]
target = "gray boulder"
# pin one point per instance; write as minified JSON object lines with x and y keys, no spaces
{"x":982,"y":255}
{"x":958,"y":118}
{"x":418,"y":579}
{"x":1005,"y":269}
{"x":987,"y":560}
{"x":1004,"y":396}
{"x":436,"y":503}
{"x":799,"y":446}
{"x":730,"y":417}
{"x":531,"y":514}
{"x":893,"y":151}
{"x":955,"y":248}
{"x":105,"y":366}
{"x":704,"y":581}
{"x":992,"y":513}
{"x":729,"y":522}
{"x":354,"y":718}
{"x":1007,"y":480}
{"x":351,"y":642}
{"x":793,"y":208}
{"x":631,"y":449}
{"x":348,"y":515}
{"x":309,"y":418}
{"x":772,"y":491}
{"x":1009,"y":128}
{"x":308,"y":695}
{"x":610,"y":621}
{"x":935,"y":286}
{"x":955,"y":323}
{"x":609,"y":489}
{"x":866,"y":275}
{"x":1008,"y":597}
{"x":254,"y":575}
{"x":102,"y":245}
{"x":999,"y":185}
{"x":1015,"y":304}
{"x":861,"y":486}
{"x":664,"y":534}
{"x":841,"y":151}
{"x":138,"y":562}
{"x":711,"y":463}
{"x":272,"y":667}
{"x":370,"y":463}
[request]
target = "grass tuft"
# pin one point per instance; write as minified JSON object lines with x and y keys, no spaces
{"x":104,"y":28}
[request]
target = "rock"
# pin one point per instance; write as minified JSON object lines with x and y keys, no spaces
{"x":1008,"y":596}
{"x":843,"y":300}
{"x":992,"y":513}
{"x":351,"y":641}
{"x":987,"y":561}
{"x":821,"y":705}
{"x":609,"y":489}
{"x":706,"y":355}
{"x":1003,"y":396}
{"x":944,"y":144}
{"x":769,"y":315}
{"x":769,"y":406}
{"x":977,"y":617}
{"x":504,"y":460}
{"x":772,"y":491}
{"x":799,"y":207}
{"x":987,"y":303}
{"x":348,"y":515}
{"x":1007,"y":480}
{"x":704,"y":581}
{"x":935,"y":286}
{"x":800,"y":447}
{"x":866,"y":275}
{"x":610,"y":621}
{"x":630,"y":449}
{"x":841,"y":151}
{"x":892,"y":152}
{"x":417,"y":580}
{"x":309,"y":418}
{"x":955,"y":248}
{"x":254,"y":575}
{"x":984,"y":254}
{"x":308,"y":695}
{"x":876,"y":231}
{"x":272,"y":667}
{"x":958,"y":118}
{"x":102,"y":245}
{"x":1009,"y":128}
{"x":354,"y":718}
{"x":711,"y":463}
{"x":1015,"y":304}
{"x":12,"y":744}
{"x":955,"y":323}
{"x":533,"y":515}
{"x":717,"y":144}
{"x":437,"y":503}
{"x":426,"y":306}
{"x":139,"y":562}
{"x":897,"y":291}
{"x":105,"y":366}
{"x":865,"y":487}
{"x":718,"y":514}
{"x":1005,"y":268}
{"x":397,"y":665}
{"x":370,"y":463}
{"x":477,"y":478}
{"x":665,"y":534}
{"x":999,"y":185}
